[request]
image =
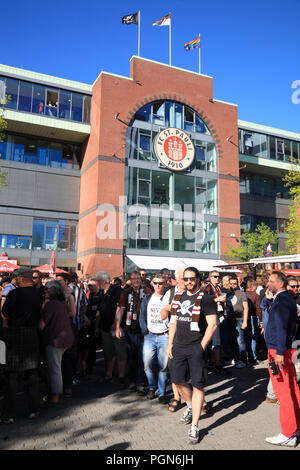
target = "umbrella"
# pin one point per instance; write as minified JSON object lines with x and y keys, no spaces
{"x":7,"y":267}
{"x":47,"y":269}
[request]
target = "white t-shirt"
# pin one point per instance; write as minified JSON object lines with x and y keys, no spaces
{"x":154,"y":322}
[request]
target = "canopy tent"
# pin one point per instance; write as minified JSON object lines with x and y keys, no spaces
{"x":160,"y":262}
{"x":47,"y":269}
{"x":7,"y":266}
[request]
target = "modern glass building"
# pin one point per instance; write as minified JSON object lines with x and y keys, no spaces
{"x":143,"y":171}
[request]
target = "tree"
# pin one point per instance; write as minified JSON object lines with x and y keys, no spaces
{"x":292,"y":181}
{"x":252,"y":244}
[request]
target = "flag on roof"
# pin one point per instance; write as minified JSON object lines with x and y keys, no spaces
{"x":195,"y":44}
{"x":165,"y":21}
{"x":132,"y":18}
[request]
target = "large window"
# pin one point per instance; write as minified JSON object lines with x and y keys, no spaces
{"x":264,"y":186}
{"x":40,"y":152}
{"x":15,"y":241}
{"x":54,"y":235}
{"x":268,"y":146}
{"x":49,"y":101}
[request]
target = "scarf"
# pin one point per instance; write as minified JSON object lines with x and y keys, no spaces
{"x":217,"y":292}
{"x":195,"y":311}
{"x":133,"y":306}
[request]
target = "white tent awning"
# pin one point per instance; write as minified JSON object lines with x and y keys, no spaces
{"x":160,"y":262}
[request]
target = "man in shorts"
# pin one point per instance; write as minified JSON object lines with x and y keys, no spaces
{"x":194,"y":331}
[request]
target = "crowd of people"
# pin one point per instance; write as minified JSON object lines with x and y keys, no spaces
{"x":152,"y":332}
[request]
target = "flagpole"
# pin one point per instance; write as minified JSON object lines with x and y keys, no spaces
{"x":139,"y":34}
{"x":170,"y":42}
{"x":199,"y":57}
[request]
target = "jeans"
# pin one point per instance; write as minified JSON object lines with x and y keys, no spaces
{"x":253,"y":332}
{"x":154,"y":354}
{"x":136,"y":374}
{"x":53,"y":361}
{"x":241,"y":341}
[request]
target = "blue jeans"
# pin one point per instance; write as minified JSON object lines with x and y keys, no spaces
{"x":253,"y":334}
{"x":154,"y":354}
{"x":241,"y":339}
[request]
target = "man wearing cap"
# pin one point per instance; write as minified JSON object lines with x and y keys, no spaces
{"x":22,"y":310}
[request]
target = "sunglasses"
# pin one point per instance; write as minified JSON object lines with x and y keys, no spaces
{"x":34,"y":277}
{"x":215,"y":276}
{"x":186,"y":279}
{"x":158,"y":283}
{"x":294,"y":287}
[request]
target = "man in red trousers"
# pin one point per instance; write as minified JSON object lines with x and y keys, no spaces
{"x":279,"y":336}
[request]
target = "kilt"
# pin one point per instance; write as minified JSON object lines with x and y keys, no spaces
{"x":22,"y":348}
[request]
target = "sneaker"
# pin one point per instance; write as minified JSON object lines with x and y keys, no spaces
{"x":193,"y":434}
{"x":240,"y":365}
{"x":272,"y":400}
{"x":7,"y":420}
{"x":281,"y":440}
{"x":151,"y":394}
{"x":141,"y":391}
{"x":187,"y":416}
{"x":33,"y":415}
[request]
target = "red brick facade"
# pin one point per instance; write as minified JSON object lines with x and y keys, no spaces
{"x":103,"y":168}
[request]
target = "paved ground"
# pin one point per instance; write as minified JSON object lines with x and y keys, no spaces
{"x":102,"y":417}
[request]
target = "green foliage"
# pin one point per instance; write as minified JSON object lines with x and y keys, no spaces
{"x":252,"y":244}
{"x":292,"y":181}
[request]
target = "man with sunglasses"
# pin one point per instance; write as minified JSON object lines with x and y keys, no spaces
{"x":190,"y":332}
{"x":155,"y":332}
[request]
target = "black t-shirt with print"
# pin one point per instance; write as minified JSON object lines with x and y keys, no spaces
{"x":184,"y":335}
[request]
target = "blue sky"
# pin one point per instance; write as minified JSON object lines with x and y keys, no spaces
{"x":251,"y":50}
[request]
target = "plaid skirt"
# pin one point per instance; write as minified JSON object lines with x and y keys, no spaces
{"x":22,"y":348}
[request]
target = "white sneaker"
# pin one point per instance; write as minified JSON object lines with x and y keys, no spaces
{"x":281,"y":440}
{"x":193,"y":435}
{"x":240,"y":365}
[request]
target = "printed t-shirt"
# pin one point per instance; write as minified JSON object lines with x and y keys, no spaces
{"x":235,"y":303}
{"x":184,"y":335}
{"x":154,"y":322}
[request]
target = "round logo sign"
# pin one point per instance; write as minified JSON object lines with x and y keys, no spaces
{"x":174,"y":148}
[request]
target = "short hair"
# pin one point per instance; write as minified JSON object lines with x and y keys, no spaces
{"x":291,"y":278}
{"x":40,"y":275}
{"x":251,"y":283}
{"x":65,"y":276}
{"x":102,"y":276}
{"x":281,"y":277}
{"x":158,"y":276}
{"x":56,"y":290}
{"x":233,"y":278}
{"x":4,"y":280}
{"x":194,"y":270}
{"x":179,"y":270}
{"x":135,"y":272}
{"x":211,"y":272}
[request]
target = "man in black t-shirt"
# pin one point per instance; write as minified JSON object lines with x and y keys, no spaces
{"x":105,"y":324}
{"x":186,"y":347}
{"x":93,"y":301}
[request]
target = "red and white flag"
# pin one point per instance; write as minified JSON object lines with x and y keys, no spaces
{"x":165,"y":21}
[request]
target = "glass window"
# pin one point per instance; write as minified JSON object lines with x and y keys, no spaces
{"x":295,"y":147}
{"x":12,"y":93}
{"x":160,"y":188}
{"x":248,"y":144}
{"x":200,"y":157}
{"x":211,"y":157}
{"x":54,"y":234}
{"x":272,"y":141}
{"x":52,"y":102}
{"x":280,"y":149}
{"x":18,"y":150}
{"x":144,"y":114}
{"x":38,"y":99}
{"x":77,"y":104}
{"x":184,"y":190}
{"x":30,"y":154}
{"x":178,"y":116}
{"x":55,"y":155}
{"x":188,"y":119}
{"x":287,"y":150}
{"x":64,"y":104}
{"x":25,"y":95}
{"x":87,"y":109}
{"x":158,"y":113}
{"x":144,"y":146}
